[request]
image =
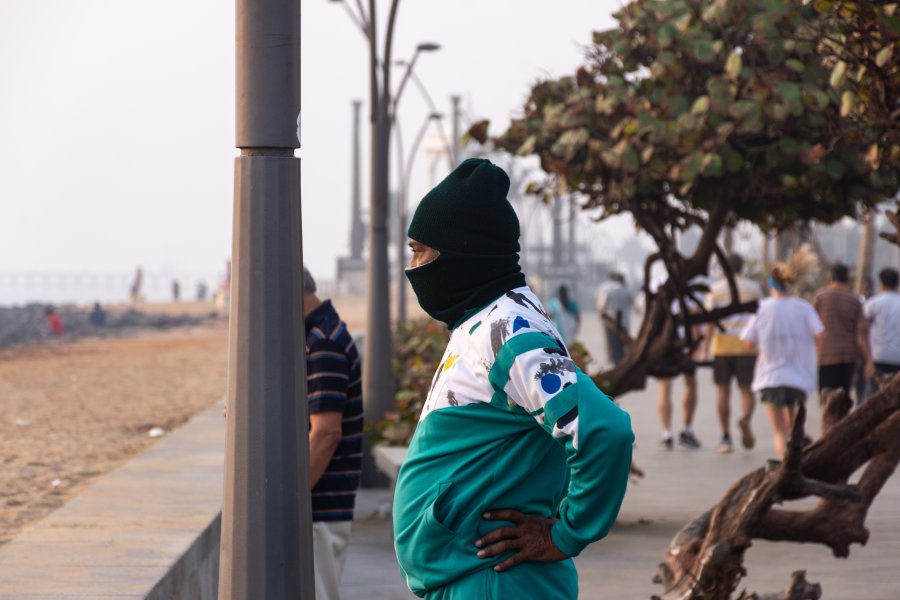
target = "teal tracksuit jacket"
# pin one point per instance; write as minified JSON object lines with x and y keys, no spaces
{"x":510,"y":422}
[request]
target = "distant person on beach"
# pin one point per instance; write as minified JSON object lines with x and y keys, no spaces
{"x":98,"y":316}
{"x":201,"y":290}
{"x":839,"y":349}
{"x":334,"y":393}
{"x":135,"y":291}
{"x":176,"y":290}
{"x":615,"y":301}
{"x":565,"y":314}
{"x":54,"y":323}
{"x":880,"y":330}
{"x":785,"y":329}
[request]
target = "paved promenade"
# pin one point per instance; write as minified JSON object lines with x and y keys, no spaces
{"x":678,"y":486}
{"x":119,"y":537}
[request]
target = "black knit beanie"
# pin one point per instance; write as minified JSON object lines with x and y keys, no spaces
{"x":469,"y":220}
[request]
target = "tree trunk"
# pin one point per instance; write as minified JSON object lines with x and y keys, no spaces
{"x":705,"y":559}
{"x":864,"y":264}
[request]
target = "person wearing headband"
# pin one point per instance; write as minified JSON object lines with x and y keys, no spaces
{"x":785,"y":330}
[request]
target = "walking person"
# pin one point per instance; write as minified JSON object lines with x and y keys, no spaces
{"x":334,"y":393}
{"x":615,"y":301}
{"x":519,"y":461}
{"x":785,"y":330}
{"x":686,"y":437}
{"x":880,"y":329}
{"x":566,"y":315}
{"x":839,"y":348}
{"x":732,"y":359}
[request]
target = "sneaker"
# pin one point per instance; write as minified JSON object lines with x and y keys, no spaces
{"x":688,"y":440}
{"x":666,"y":444}
{"x":725,"y":446}
{"x":747,"y":438}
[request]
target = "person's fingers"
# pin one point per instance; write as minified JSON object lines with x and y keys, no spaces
{"x":500,"y":548}
{"x":505,"y":514}
{"x":510,"y":562}
{"x":504,"y":533}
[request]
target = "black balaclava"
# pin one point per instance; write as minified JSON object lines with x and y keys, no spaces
{"x":468,"y":219}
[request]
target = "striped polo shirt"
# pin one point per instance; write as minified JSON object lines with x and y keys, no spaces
{"x":334,"y":384}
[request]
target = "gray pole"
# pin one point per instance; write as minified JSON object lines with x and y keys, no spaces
{"x":357,"y":230}
{"x":378,"y":375}
{"x":557,"y":256}
{"x":401,"y":227}
{"x":455,"y":100}
{"x":573,"y":215}
{"x":266,"y":545}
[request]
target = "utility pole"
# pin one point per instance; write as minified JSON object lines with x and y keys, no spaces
{"x":456,"y":116}
{"x":357,"y":230}
{"x":378,"y":374}
{"x":266,"y":543}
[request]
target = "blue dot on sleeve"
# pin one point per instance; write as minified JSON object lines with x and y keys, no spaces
{"x":551,"y":383}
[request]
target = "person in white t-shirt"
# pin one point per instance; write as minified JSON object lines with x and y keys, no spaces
{"x":785,"y":330}
{"x":880,"y":331}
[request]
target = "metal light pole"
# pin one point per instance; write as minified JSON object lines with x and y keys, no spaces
{"x":357,"y":230}
{"x":455,"y":100}
{"x":266,"y":545}
{"x":402,"y":184}
{"x":404,"y":173}
{"x":378,"y":376}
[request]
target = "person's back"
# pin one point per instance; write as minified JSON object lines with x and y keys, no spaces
{"x":838,"y":348}
{"x":98,"y":316}
{"x":333,"y":363}
{"x":786,"y":338}
{"x":334,"y":394}
{"x":840,"y":311}
{"x":564,"y":311}
{"x":728,"y":342}
{"x":617,"y":303}
{"x":885,"y":332}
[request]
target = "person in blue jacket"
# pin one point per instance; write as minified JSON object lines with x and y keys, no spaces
{"x":519,"y":461}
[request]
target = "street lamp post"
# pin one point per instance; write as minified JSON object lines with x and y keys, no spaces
{"x":378,"y":376}
{"x":266,"y":535}
{"x":404,"y":173}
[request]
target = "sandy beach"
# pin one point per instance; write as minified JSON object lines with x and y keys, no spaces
{"x":71,"y":411}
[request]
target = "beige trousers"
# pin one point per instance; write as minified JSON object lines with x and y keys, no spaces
{"x":330,"y":542}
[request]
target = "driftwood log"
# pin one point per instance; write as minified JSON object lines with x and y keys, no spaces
{"x":705,"y":559}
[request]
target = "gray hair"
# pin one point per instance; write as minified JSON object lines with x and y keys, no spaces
{"x":309,"y":284}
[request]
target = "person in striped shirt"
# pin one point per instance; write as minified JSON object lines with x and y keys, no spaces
{"x":334,"y":393}
{"x":519,"y":461}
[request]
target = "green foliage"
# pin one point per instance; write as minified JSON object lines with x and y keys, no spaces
{"x":860,"y":42}
{"x":691,"y":103}
{"x":418,"y":347}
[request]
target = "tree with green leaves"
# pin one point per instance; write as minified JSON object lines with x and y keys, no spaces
{"x":704,"y":113}
{"x":697,"y":113}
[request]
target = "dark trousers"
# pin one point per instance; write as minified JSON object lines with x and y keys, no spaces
{"x":615,"y":349}
{"x":836,"y":376}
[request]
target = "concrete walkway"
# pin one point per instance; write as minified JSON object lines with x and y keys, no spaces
{"x":98,"y":543}
{"x":678,"y":486}
{"x":149,"y":529}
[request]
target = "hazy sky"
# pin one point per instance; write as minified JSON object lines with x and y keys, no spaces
{"x":117,"y":117}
